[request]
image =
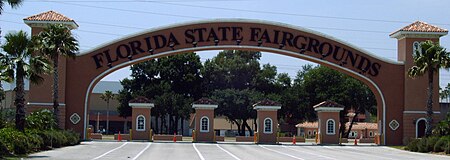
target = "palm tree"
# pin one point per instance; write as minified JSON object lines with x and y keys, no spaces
{"x":107,"y":96}
{"x":12,"y":3}
{"x":54,"y":41}
{"x":19,"y":64}
{"x":429,"y":58}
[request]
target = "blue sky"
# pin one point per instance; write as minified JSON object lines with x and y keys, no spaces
{"x":365,"y":24}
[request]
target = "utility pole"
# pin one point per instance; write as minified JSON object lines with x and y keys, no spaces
{"x":98,"y":121}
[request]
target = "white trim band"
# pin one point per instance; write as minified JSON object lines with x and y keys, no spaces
{"x":205,"y":106}
{"x":420,"y":112}
{"x":43,"y":104}
{"x":269,"y":108}
{"x":141,"y":105}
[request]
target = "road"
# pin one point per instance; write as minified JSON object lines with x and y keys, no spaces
{"x":224,"y":151}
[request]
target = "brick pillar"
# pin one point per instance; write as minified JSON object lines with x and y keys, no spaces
{"x":328,"y":115}
{"x":267,"y":121}
{"x":204,"y":120}
{"x":141,"y":116}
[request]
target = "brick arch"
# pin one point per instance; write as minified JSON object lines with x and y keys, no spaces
{"x":384,"y":77}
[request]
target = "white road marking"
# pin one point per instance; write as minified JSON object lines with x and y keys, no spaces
{"x":310,"y":153}
{"x":139,"y":154}
{"x":282,"y":153}
{"x":198,"y":152}
{"x":232,"y":155}
{"x":359,"y":152}
{"x":112,"y":150}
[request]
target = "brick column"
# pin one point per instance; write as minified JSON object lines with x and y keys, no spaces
{"x":141,"y":116}
{"x":328,"y":115}
{"x":267,"y":121}
{"x":204,"y":120}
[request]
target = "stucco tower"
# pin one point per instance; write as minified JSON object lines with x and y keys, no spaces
{"x":40,"y":96}
{"x":415,"y":90}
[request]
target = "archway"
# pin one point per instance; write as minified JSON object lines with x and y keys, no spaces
{"x":420,"y":127}
{"x":386,"y":78}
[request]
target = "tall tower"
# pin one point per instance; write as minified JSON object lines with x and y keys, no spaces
{"x":415,"y":90}
{"x":40,"y":96}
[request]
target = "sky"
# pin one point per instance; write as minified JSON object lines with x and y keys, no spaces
{"x":366,"y":24}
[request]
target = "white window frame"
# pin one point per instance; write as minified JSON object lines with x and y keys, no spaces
{"x":309,"y":132}
{"x":370,"y":134}
{"x":201,"y":124}
{"x":333,"y":131}
{"x":417,"y":125}
{"x":137,"y":123}
{"x":314,"y":132}
{"x":271,"y":125}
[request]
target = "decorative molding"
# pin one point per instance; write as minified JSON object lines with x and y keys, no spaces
{"x":328,"y":109}
{"x":394,"y":125}
{"x":267,"y":108}
{"x":43,"y":104}
{"x":410,"y":34}
{"x":71,"y":25}
{"x":205,"y":106}
{"x":271,"y":126}
{"x":141,"y":105}
{"x":75,"y":118}
{"x":420,"y":112}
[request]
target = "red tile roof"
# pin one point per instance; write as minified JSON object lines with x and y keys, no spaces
{"x":205,"y":101}
{"x":420,"y":26}
{"x":328,"y":103}
{"x":267,"y":102}
{"x":140,"y":99}
{"x":356,"y":125}
{"x":49,"y":16}
{"x":308,"y":125}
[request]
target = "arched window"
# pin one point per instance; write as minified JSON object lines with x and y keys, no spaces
{"x":330,"y":127}
{"x":268,"y":125}
{"x":370,"y":134}
{"x":204,"y":124}
{"x":140,"y":125}
{"x":309,"y":133}
{"x":314,"y":132}
{"x":420,"y":127}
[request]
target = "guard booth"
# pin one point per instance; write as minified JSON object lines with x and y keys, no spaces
{"x":267,"y":121}
{"x":328,"y":115}
{"x":204,"y":120}
{"x":141,"y":112}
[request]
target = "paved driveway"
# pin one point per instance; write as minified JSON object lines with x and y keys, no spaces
{"x":221,"y":151}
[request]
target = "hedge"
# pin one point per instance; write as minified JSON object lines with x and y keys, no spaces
{"x":15,"y":142}
{"x":430,"y":144}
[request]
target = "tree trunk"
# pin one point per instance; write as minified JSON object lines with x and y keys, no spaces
{"x":182,"y":126}
{"x":107,"y":117}
{"x":20,"y":100}
{"x":238,"y":125}
{"x":254,"y":123}
{"x":242,"y":129}
{"x":429,"y":122}
{"x":156,"y":125}
{"x":55,"y":89}
{"x":248,"y":127}
{"x":176,"y":125}
{"x":351,"y":124}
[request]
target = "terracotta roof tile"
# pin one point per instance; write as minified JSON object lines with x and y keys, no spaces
{"x":356,"y":125}
{"x":140,"y":99}
{"x":308,"y":125}
{"x":49,"y":16}
{"x":328,"y":103}
{"x":205,"y":101}
{"x":420,"y":26}
{"x":267,"y":102}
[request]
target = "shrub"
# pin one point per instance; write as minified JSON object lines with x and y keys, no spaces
{"x":3,"y":149}
{"x":41,"y":120}
{"x":412,"y":145}
{"x":431,"y":141}
{"x":72,"y":138}
{"x":15,"y":141}
{"x":422,"y":145}
{"x":441,"y":144}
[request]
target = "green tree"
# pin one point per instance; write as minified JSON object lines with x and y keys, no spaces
{"x":107,"y":96}
{"x":23,"y":64}
{"x":12,"y":3}
{"x":428,"y":59}
{"x":237,"y":106}
{"x":54,"y":41}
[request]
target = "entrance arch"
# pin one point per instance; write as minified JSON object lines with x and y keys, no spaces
{"x":386,"y":78}
{"x":420,"y":127}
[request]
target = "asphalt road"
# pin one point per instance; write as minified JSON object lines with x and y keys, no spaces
{"x":221,"y":151}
